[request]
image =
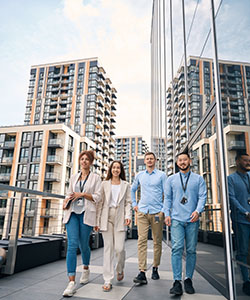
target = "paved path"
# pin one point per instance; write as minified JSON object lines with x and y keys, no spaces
{"x":47,"y":282}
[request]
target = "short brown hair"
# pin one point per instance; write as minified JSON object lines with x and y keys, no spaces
{"x":149,"y":153}
{"x":89,"y":153}
{"x":122,"y":174}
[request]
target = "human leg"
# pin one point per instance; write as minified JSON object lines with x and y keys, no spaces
{"x":108,"y":252}
{"x":191,"y":236}
{"x":177,"y":240}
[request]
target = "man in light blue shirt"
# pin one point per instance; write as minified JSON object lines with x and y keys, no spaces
{"x":239,"y":197}
{"x":185,"y":199}
{"x":150,"y":213}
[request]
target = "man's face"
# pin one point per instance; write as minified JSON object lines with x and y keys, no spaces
{"x":149,"y":160}
{"x":244,"y":163}
{"x":183,"y":162}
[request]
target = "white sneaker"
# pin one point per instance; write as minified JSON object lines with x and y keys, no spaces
{"x":85,"y":276}
{"x":70,"y":289}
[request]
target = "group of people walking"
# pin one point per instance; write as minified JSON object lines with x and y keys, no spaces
{"x":106,"y":206}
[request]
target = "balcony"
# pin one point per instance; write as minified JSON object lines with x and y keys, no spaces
{"x":34,"y":176}
{"x":57,"y":143}
{"x":7,"y":160}
{"x":2,"y":211}
{"x":21,"y":176}
{"x":236,"y":145}
{"x":52,"y":176}
{"x":4,"y":177}
{"x":54,"y":159}
{"x":30,"y":213}
{"x":9,"y":144}
{"x":48,"y":212}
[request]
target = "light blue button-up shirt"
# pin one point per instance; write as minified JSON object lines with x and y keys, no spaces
{"x":238,"y":196}
{"x":196,"y":194}
{"x":152,"y":190}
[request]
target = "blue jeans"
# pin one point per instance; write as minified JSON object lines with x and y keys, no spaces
{"x":242,"y":236}
{"x":181,"y":231}
{"x":78,"y":236}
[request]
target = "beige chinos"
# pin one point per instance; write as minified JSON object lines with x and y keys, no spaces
{"x":143,"y":223}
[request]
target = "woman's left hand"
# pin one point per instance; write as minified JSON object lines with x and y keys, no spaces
{"x":127,"y":222}
{"x":74,"y":196}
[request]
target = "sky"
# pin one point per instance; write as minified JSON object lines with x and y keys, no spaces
{"x":118,"y":32}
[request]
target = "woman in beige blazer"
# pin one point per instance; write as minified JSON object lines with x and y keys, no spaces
{"x":113,"y":217}
{"x":80,"y":216}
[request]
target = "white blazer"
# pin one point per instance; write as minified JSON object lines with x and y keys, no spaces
{"x":123,"y":209}
{"x":93,"y":187}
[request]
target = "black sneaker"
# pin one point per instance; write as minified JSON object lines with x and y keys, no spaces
{"x":246,"y":288}
{"x":177,"y":288}
{"x":188,"y":286}
{"x":155,"y":274}
{"x":141,"y":278}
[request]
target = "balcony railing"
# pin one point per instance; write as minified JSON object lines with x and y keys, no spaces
{"x":236,"y":145}
{"x":54,"y":159}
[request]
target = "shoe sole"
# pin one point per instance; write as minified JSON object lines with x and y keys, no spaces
{"x":140,"y":281}
{"x":69,"y":295}
{"x":177,"y":294}
{"x":155,"y":278}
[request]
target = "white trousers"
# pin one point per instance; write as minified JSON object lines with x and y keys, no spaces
{"x":114,"y":242}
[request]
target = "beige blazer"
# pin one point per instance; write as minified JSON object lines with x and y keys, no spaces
{"x":93,"y":187}
{"x":123,"y":209}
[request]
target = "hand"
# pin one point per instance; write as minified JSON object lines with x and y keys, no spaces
{"x":136,"y":208}
{"x":168,"y":221}
{"x":74,"y":196}
{"x":194,"y":216}
{"x":127,"y":222}
{"x":96,"y":228}
{"x":248,"y":217}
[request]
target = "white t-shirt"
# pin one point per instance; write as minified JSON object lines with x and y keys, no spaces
{"x":115,"y":191}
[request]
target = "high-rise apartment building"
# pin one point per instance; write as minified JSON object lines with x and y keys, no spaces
{"x":70,"y":107}
{"x":235,"y":92}
{"x":79,"y":94}
{"x":129,"y":150}
{"x":38,"y":157}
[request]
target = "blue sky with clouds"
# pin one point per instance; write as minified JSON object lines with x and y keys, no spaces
{"x":118,"y":32}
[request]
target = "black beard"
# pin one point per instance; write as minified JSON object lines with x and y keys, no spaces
{"x":245,"y":169}
{"x":184,"y":169}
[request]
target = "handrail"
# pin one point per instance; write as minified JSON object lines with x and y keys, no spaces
{"x":29,"y":191}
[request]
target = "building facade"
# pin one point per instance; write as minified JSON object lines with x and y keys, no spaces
{"x":38,"y":157}
{"x":235,"y":92}
{"x":129,"y":150}
{"x":79,"y":94}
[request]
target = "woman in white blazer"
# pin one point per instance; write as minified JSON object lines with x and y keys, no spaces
{"x":80,"y":217}
{"x":113,"y":217}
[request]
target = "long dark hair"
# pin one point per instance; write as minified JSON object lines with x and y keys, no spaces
{"x":122,"y":174}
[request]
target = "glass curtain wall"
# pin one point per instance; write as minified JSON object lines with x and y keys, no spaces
{"x":207,"y":112}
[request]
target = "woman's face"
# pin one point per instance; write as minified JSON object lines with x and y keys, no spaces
{"x":85,"y":162}
{"x":116,"y":169}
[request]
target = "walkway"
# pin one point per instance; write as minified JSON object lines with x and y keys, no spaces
{"x":47,"y":282}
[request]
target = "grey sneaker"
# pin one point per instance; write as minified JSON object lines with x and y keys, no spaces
{"x":85,"y":276}
{"x":70,"y":289}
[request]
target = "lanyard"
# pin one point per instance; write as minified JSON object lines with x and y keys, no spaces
{"x":82,"y":185}
{"x":184,"y":187}
{"x":247,"y":185}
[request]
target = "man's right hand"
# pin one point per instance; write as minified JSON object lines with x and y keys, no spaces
{"x":168,"y":221}
{"x":136,"y":208}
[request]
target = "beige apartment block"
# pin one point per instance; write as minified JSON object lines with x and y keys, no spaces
{"x":79,"y":94}
{"x":38,"y":157}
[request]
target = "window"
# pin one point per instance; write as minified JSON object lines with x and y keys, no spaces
{"x":32,"y":185}
{"x":22,"y":170}
{"x":38,"y":136}
{"x":24,"y":155}
{"x":34,"y":169}
{"x":26,"y":137}
{"x":36,"y":154}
